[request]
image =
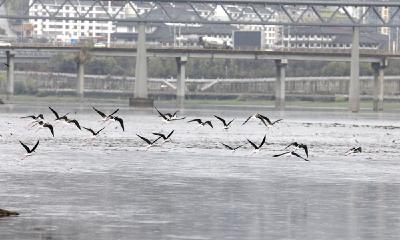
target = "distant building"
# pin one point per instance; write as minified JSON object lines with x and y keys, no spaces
{"x":329,"y":38}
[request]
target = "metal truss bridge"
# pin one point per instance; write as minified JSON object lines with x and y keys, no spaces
{"x":350,"y":13}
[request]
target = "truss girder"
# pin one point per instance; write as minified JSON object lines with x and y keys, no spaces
{"x":243,"y":12}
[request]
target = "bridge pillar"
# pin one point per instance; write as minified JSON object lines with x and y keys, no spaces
{"x":354,"y":87}
{"x":80,"y":86}
{"x":378,"y":85}
{"x":10,"y":73}
{"x":140,"y":95}
{"x":181,"y":85}
{"x":281,"y":65}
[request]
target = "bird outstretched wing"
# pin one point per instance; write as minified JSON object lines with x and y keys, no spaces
{"x":100,"y":112}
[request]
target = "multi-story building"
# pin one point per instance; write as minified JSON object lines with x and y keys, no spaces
{"x":72,"y":30}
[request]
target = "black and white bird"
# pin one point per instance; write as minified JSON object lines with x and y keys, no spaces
{"x":267,"y":122}
{"x":168,"y":117}
{"x":298,"y":146}
{"x":149,"y":143}
{"x":58,"y":118}
{"x":291,"y":154}
{"x":29,"y":151}
{"x":201,"y":123}
{"x":104,"y":116}
{"x":93,"y":132}
{"x":165,"y":138}
{"x":73,"y":121}
{"x":233,"y":149}
{"x":353,"y":150}
{"x":119,"y":120}
{"x":254,"y":116}
{"x":257,"y":147}
{"x":38,"y":117}
{"x":226,"y":125}
{"x":43,"y":124}
{"x":174,"y":116}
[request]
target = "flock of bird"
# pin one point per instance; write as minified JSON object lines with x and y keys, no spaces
{"x":294,"y":149}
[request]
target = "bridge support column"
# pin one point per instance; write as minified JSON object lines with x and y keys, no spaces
{"x":378,"y":90}
{"x":140,"y":95}
{"x":280,"y":83}
{"x":354,"y":87}
{"x":181,"y":85}
{"x":10,"y":73}
{"x":80,"y":86}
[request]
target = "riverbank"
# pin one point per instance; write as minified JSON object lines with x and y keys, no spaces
{"x":366,"y":105}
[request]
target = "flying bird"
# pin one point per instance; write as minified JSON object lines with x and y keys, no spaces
{"x":201,"y":123}
{"x":149,"y":143}
{"x":43,"y":124}
{"x":267,"y":122}
{"x":353,"y":150}
{"x":94,"y":133}
{"x":257,"y":148}
{"x":104,"y":116}
{"x":226,"y":125}
{"x":29,"y":151}
{"x":298,"y":146}
{"x":255,"y":116}
{"x":291,"y":154}
{"x":168,"y":117}
{"x":232,"y":148}
{"x":40,"y":116}
{"x":165,"y":138}
{"x":73,"y":121}
{"x":58,"y":118}
{"x":119,"y":120}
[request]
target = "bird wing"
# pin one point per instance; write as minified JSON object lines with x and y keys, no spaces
{"x":169,"y":135}
{"x":209,"y":123}
{"x":113,"y":112}
{"x":34,"y":148}
{"x":305,"y":148}
{"x":160,"y":135}
{"x":161,"y":114}
{"x":298,"y":155}
{"x":221,"y":119}
{"x":155,"y":140}
{"x":30,"y":116}
{"x":264,"y":117}
{"x":238,"y":147}
{"x":252,"y":144}
{"x":100,"y":113}
{"x":292,"y":144}
{"x":144,"y":139}
{"x":169,"y":115}
{"x":281,"y":154}
{"x":262,"y":142}
{"x":121,"y":122}
{"x":229,"y":123}
{"x":246,"y":120}
{"x":26,"y":147}
{"x":74,"y":121}
{"x":50,"y":127}
{"x":276,"y":121}
{"x":174,"y":115}
{"x":227,"y":146}
{"x":198,"y":120}
{"x":100,"y":130}
{"x":263,"y":121}
{"x":55,"y":113}
{"x":90,"y":130}
{"x":351,"y":150}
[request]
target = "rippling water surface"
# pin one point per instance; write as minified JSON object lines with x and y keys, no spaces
{"x":76,"y":187}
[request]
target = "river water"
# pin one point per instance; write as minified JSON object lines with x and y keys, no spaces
{"x":109,"y":187}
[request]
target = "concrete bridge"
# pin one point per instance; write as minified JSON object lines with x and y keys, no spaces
{"x":281,"y":57}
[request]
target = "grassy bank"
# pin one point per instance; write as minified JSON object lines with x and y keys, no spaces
{"x":29,"y":99}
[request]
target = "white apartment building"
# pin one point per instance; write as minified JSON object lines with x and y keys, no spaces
{"x":68,"y":31}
